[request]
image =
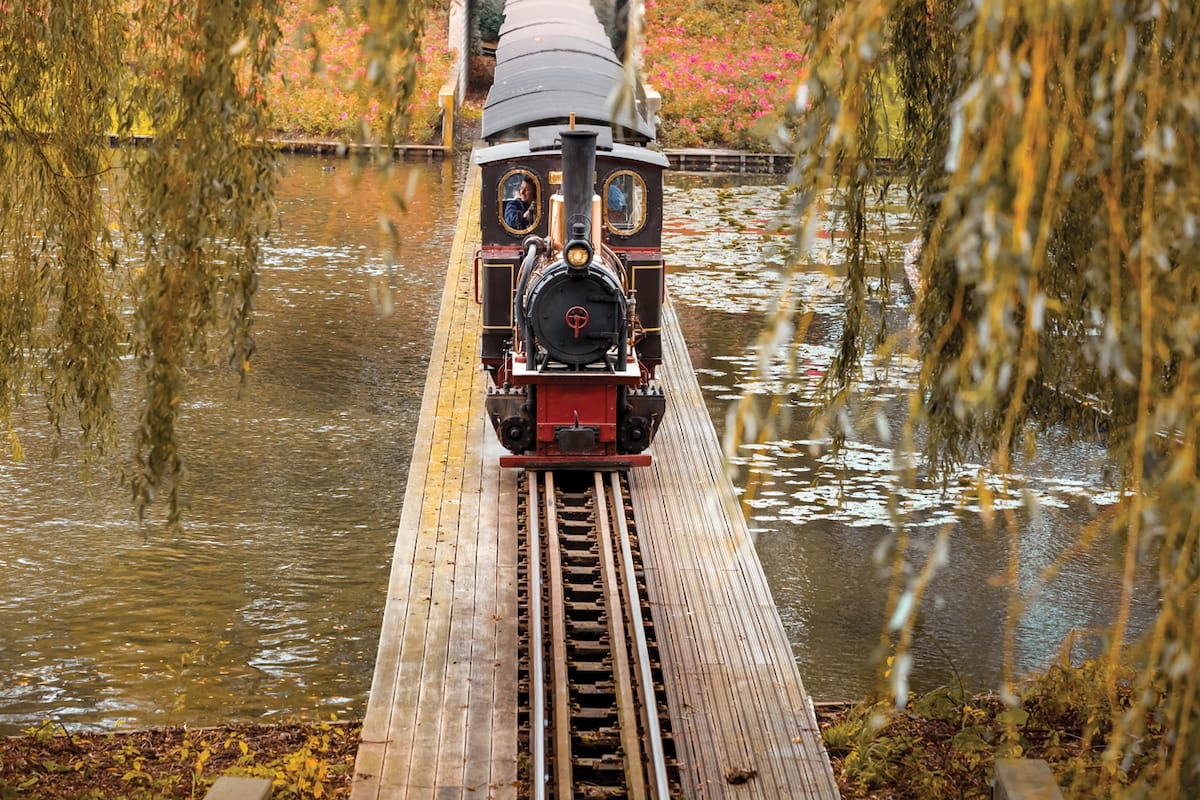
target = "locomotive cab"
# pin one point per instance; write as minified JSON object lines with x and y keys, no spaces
{"x":571,"y":296}
{"x":629,"y":184}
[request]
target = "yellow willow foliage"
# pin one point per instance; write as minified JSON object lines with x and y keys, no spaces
{"x":166,"y":266}
{"x":1053,"y":153}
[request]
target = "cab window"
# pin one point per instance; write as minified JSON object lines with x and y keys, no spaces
{"x":520,"y":201}
{"x":624,"y":203}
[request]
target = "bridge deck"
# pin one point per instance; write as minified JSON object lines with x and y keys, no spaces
{"x":441,"y":721}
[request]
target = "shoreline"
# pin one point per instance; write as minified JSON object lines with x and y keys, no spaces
{"x":714,"y":160}
{"x":177,"y":761}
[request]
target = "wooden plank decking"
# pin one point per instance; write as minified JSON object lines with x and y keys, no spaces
{"x":442,"y":716}
{"x":441,"y":721}
{"x":740,"y":705}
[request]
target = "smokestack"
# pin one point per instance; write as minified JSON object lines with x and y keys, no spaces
{"x":578,"y":170}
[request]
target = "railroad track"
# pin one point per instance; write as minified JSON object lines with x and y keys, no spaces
{"x":594,"y":721}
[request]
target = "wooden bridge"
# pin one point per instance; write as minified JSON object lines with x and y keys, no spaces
{"x":442,"y":719}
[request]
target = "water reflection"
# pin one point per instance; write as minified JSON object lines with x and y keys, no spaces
{"x":271,"y":602}
{"x":823,"y":525}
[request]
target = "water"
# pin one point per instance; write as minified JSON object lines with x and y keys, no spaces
{"x":270,"y":605}
{"x":822,"y":524}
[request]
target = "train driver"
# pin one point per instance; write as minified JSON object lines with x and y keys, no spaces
{"x":520,"y":211}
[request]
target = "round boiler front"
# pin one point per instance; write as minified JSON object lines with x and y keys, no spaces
{"x":576,"y":316}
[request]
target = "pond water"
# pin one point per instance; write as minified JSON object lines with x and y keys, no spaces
{"x":270,"y":605}
{"x":822,"y":524}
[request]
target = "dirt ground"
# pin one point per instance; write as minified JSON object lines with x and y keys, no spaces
{"x":178,"y":762}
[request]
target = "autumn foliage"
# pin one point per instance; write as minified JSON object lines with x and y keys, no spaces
{"x":726,"y":70}
{"x":317,"y":87}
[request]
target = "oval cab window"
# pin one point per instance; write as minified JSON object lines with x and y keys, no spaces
{"x":520,"y":201}
{"x":624,"y":203}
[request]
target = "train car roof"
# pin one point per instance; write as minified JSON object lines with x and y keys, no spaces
{"x":554,"y":59}
{"x":545,"y":139}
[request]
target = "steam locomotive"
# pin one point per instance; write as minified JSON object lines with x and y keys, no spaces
{"x":570,"y":273}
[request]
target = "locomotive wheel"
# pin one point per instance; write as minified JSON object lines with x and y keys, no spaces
{"x":634,"y":436}
{"x":516,"y":434}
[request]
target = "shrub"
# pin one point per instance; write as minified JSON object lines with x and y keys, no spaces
{"x":726,"y":70}
{"x":491,"y":17}
{"x":320,"y":68}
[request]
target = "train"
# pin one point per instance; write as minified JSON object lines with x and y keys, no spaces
{"x":570,"y":272}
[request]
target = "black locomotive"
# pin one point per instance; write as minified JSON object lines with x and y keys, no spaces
{"x":570,"y":269}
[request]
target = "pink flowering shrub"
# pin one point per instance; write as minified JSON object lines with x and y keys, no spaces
{"x":726,"y":69}
{"x":320,"y":63}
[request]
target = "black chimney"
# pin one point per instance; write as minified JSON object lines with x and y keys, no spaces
{"x":578,"y":185}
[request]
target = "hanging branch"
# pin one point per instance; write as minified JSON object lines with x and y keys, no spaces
{"x":1051,"y":153}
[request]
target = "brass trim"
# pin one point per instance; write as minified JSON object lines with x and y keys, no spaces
{"x":537,"y":200}
{"x":624,"y":233}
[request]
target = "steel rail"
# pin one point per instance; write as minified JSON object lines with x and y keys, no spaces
{"x":558,"y":649}
{"x":537,"y":681}
{"x":656,"y":763}
{"x":635,"y":782}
